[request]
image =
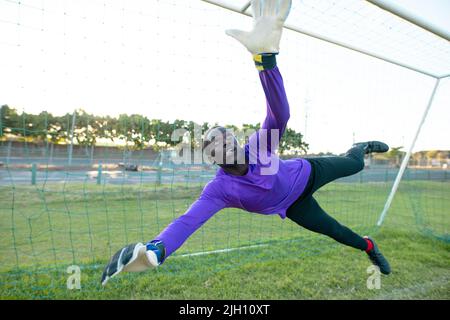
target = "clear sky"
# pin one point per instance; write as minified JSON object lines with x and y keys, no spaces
{"x":171,"y":59}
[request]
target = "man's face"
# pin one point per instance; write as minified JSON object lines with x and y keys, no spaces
{"x":222,"y":147}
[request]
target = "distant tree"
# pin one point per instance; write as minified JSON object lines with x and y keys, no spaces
{"x":395,"y":155}
{"x":293,"y":141}
{"x":11,"y":121}
{"x":432,"y":154}
{"x":418,"y":157}
{"x":443,"y":155}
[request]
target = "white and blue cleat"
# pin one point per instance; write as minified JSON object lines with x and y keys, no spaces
{"x":135,"y":257}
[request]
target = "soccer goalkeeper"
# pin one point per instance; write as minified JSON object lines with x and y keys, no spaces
{"x":247,"y":182}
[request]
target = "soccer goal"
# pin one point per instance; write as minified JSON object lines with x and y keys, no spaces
{"x":93,"y":89}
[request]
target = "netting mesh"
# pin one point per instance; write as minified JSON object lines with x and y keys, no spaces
{"x":62,"y":205}
{"x":430,"y":201}
{"x":365,"y":26}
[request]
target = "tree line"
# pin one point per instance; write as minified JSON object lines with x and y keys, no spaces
{"x":395,"y":156}
{"x":136,"y":131}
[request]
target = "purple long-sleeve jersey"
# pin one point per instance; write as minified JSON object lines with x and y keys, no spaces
{"x":257,"y":191}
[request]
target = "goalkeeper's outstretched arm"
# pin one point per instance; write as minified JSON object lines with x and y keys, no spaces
{"x":138,"y":257}
{"x":263,"y":42}
{"x":176,"y":233}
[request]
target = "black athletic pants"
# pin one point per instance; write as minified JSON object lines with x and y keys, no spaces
{"x":306,"y":212}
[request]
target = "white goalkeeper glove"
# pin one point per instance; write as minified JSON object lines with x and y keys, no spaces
{"x":269,"y":17}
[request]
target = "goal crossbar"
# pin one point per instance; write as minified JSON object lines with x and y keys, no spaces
{"x":318,"y":36}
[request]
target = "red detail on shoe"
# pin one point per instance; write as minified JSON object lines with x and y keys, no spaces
{"x":369,"y":245}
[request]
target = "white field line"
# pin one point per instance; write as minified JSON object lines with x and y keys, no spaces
{"x":219,"y":251}
{"x":201,"y":253}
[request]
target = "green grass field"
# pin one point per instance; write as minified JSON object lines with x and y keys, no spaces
{"x":44,"y":229}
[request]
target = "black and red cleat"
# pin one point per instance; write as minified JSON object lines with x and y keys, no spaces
{"x":373,"y":146}
{"x":377,"y":258}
